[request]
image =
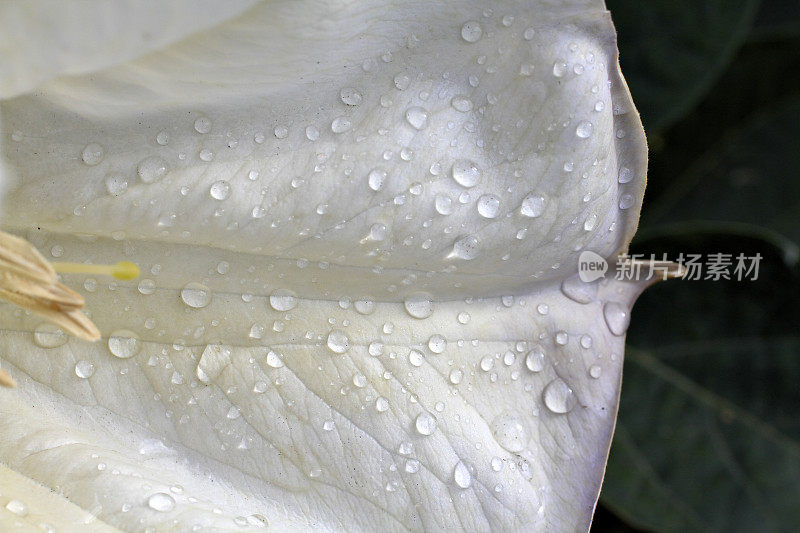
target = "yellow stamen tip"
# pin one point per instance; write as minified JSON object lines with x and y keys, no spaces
{"x":125,"y":270}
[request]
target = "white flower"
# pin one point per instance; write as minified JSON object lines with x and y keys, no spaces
{"x":354,"y":221}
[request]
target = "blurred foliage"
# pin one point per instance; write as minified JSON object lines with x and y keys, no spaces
{"x":708,"y":437}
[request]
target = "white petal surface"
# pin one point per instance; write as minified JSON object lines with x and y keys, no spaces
{"x":353,"y":221}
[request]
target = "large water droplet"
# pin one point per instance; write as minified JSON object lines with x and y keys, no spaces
{"x":202,"y":125}
{"x":220,"y":190}
{"x":471,"y":31}
{"x":534,"y":360}
{"x":84,"y":369}
{"x":617,"y":317}
{"x":350,"y":96}
{"x":161,"y":501}
{"x":488,"y":206}
{"x":152,"y":168}
{"x":466,"y":173}
{"x":425,"y":424}
{"x":532,"y":206}
{"x":443,"y":204}
{"x":92,"y":154}
{"x":282,"y":300}
{"x":559,"y":69}
{"x":509,"y":432}
{"x":381,"y":404}
{"x":338,"y":341}
{"x":196,"y":295}
{"x":47,"y":335}
{"x":558,"y":397}
{"x":462,"y":476}
{"x":312,"y":133}
{"x":419,"y":304}
{"x":17,"y":507}
{"x":437,"y":343}
{"x":376,"y":179}
{"x":578,"y":290}
{"x":124,"y":344}
{"x":466,"y":248}
{"x":584,"y":129}
{"x":116,"y":184}
{"x":341,"y":125}
{"x":417,"y":117}
{"x":274,"y":360}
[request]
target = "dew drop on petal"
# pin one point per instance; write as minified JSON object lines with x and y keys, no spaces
{"x":341,"y":125}
{"x":534,"y":359}
{"x":584,"y":129}
{"x":419,"y":304}
{"x":151,"y":168}
{"x":617,"y":317}
{"x":220,"y":190}
{"x":417,"y":117}
{"x":376,"y":179}
{"x":17,"y":507}
{"x":595,"y":371}
{"x":92,"y":154}
{"x":312,"y":133}
{"x":350,"y":96}
{"x":196,"y":295}
{"x":462,"y":476}
{"x":466,"y":173}
{"x":558,"y":397}
{"x":47,"y":335}
{"x":124,"y":344}
{"x":437,"y":343}
{"x":116,"y":184}
{"x":471,"y":31}
{"x":461,"y":103}
{"x":282,"y":300}
{"x":509,"y":432}
{"x":84,"y":369}
{"x":202,"y":125}
{"x":488,"y":206}
{"x":559,"y":69}
{"x":532,"y":206}
{"x":425,"y":424}
{"x":161,"y":501}
{"x":338,"y":341}
{"x":466,"y":248}
{"x":381,"y":404}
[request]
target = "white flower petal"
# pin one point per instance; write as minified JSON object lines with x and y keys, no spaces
{"x":314,"y":156}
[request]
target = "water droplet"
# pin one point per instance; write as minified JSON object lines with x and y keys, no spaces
{"x":419,"y":304}
{"x":376,"y":179}
{"x":196,"y":295}
{"x":412,"y":466}
{"x":584,"y":129}
{"x":425,"y":424}
{"x":147,"y":286}
{"x":282,"y":300}
{"x":338,"y":341}
{"x":625,"y":175}
{"x":626,"y":201}
{"x":463,"y":317}
{"x":350,"y":96}
{"x":456,"y":375}
{"x":532,"y":206}
{"x":488,"y":206}
{"x":312,"y":133}
{"x":364,"y":306}
{"x":471,"y":31}
{"x":151,"y":168}
{"x":274,"y":360}
{"x":617,"y":317}
{"x":466,"y":248}
{"x":124,"y":344}
{"x":220,"y":190}
{"x":559,"y":69}
{"x":534,"y":360}
{"x":47,"y":335}
{"x":590,"y":223}
{"x":461,"y":103}
{"x":578,"y":290}
{"x":260,"y":387}
{"x":528,"y":34}
{"x":558,"y":397}
{"x":341,"y":125}
{"x":595,"y":371}
{"x":509,"y":432}
{"x":562,"y":338}
{"x":377,"y":232}
{"x":497,"y":464}
{"x":116,"y":184}
{"x":462,"y":475}
{"x":401,"y":81}
{"x":84,"y":369}
{"x":417,"y":117}
{"x":487,"y":363}
{"x":17,"y":507}
{"x":443,"y":204}
{"x":437,"y":343}
{"x":162,"y":138}
{"x":256,"y":331}
{"x":466,"y":173}
{"x":92,"y":154}
{"x":507,"y":20}
{"x":360,"y":380}
{"x":381,"y":404}
{"x":416,"y":358}
{"x":202,"y":125}
{"x":161,"y":501}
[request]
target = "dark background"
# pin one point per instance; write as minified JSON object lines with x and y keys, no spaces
{"x":708,"y":437}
